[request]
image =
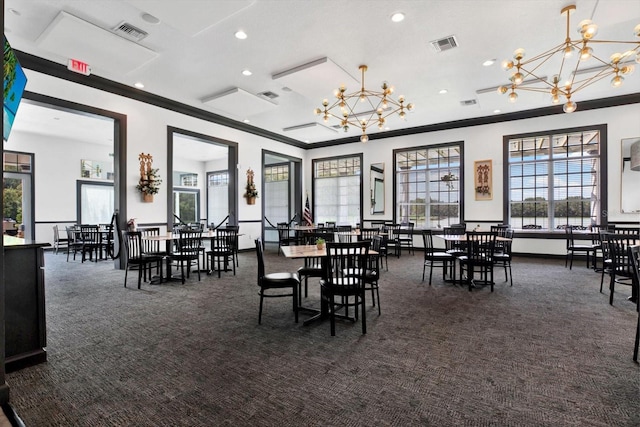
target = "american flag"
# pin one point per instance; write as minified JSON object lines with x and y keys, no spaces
{"x":306,"y":214}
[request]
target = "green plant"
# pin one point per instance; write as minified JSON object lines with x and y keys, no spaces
{"x":320,"y":241}
{"x":150,"y":184}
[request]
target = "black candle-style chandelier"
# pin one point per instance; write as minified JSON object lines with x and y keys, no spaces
{"x":363,"y":108}
{"x":526,"y":74}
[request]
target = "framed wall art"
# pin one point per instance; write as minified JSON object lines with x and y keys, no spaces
{"x":483,"y":179}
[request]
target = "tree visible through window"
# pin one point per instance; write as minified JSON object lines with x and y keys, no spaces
{"x":555,"y":178}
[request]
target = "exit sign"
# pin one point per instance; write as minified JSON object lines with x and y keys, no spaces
{"x":79,"y":67}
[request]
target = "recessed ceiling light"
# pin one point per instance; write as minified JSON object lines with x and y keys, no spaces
{"x":286,"y":89}
{"x":139,"y":85}
{"x":150,"y":18}
{"x":489,"y":62}
{"x":246,"y":72}
{"x":397,"y":17}
{"x":241,"y":35}
{"x":496,"y":111}
{"x":246,"y":120}
{"x":443,"y":91}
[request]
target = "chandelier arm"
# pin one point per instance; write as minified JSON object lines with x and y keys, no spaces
{"x":593,"y":79}
{"x":549,"y":53}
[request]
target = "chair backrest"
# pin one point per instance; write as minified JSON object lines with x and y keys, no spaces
{"x":427,"y":242}
{"x":343,"y":228}
{"x":408,"y":226}
{"x":619,"y":255}
{"x":500,"y":230}
{"x":368,"y":233}
{"x":634,"y":257}
{"x":71,"y":234}
{"x":330,"y":224}
{"x":480,"y":246}
{"x":568,"y":231}
{"x":454,"y":231}
{"x":392,"y":231}
{"x":284,"y":230}
{"x":89,"y":234}
{"x":344,"y":236}
{"x":627,"y":231}
{"x":56,"y":234}
{"x":189,"y":241}
{"x":225,"y":239}
{"x":150,"y":246}
{"x":132,"y":244}
{"x":260,"y":255}
{"x":346,"y":264}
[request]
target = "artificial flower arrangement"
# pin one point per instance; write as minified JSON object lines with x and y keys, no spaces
{"x":149,"y":182}
{"x":250,"y":189}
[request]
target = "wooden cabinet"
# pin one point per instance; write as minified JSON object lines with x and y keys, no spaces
{"x":25,"y":323}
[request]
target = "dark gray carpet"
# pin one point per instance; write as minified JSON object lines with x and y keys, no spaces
{"x":549,"y":351}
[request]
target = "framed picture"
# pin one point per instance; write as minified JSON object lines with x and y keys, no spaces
{"x":96,"y":169}
{"x":483,"y":179}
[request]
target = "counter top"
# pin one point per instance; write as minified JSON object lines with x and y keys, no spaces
{"x":17,"y":242}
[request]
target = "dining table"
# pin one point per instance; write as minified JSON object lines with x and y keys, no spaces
{"x":313,"y":251}
{"x":169,"y":237}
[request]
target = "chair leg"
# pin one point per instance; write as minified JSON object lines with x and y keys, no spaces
{"x":295,"y":301}
{"x":364,"y":311}
{"x":378,"y":295}
{"x":260,"y":311}
{"x":126,"y":270}
{"x":141,"y":267}
{"x":612,"y":285}
{"x":332,"y":316}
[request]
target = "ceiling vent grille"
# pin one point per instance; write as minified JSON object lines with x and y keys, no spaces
{"x":129,"y":32}
{"x":446,"y":43}
{"x":468,"y":102}
{"x":268,"y":94}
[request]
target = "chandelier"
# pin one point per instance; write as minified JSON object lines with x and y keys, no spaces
{"x":363,"y":108}
{"x":526,"y":74}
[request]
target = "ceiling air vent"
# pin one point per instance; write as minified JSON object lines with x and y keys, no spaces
{"x":468,"y":102}
{"x":446,"y":43}
{"x":129,"y":32}
{"x":268,"y":94}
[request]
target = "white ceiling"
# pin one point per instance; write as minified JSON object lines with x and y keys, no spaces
{"x":192,"y":56}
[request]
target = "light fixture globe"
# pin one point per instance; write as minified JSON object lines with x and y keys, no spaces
{"x":569,"y":107}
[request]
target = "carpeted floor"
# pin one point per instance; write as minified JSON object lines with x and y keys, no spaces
{"x":549,"y":351}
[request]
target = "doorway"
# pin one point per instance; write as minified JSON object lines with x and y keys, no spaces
{"x":282,"y":184}
{"x":18,"y":195}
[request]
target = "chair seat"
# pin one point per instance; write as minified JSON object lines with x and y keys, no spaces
{"x":284,"y":279}
{"x":440,"y":255}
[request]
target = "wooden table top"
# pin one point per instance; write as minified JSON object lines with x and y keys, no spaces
{"x":308,"y":251}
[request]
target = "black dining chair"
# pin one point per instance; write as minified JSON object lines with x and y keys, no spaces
{"x":343,"y":284}
{"x":621,"y":269}
{"x":433,"y":256}
{"x":405,"y":237}
{"x":480,"y":246}
{"x":573,"y":247}
{"x":223,"y":254}
{"x":59,"y":242}
{"x":74,"y":241}
{"x":91,"y":242}
{"x":188,"y":247}
{"x":282,"y":280}
{"x":135,"y":258}
{"x":152,"y":247}
{"x":502,"y":254}
{"x":634,"y":256}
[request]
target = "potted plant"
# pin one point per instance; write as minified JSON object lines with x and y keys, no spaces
{"x":149,"y":184}
{"x":320,"y":243}
{"x":250,"y":189}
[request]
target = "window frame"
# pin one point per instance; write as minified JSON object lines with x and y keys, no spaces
{"x":460,"y":181}
{"x":314,"y":209}
{"x":602,"y":214}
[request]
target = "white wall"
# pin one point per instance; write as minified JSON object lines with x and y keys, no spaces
{"x":57,"y":169}
{"x":146,"y":127}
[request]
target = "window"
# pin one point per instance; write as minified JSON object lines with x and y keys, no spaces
{"x":276,"y":191}
{"x":189,"y":180}
{"x":429,"y":185}
{"x":555,"y":178}
{"x":337,"y":191}
{"x":96,"y":202}
{"x":186,"y":205}
{"x":217,"y":196}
